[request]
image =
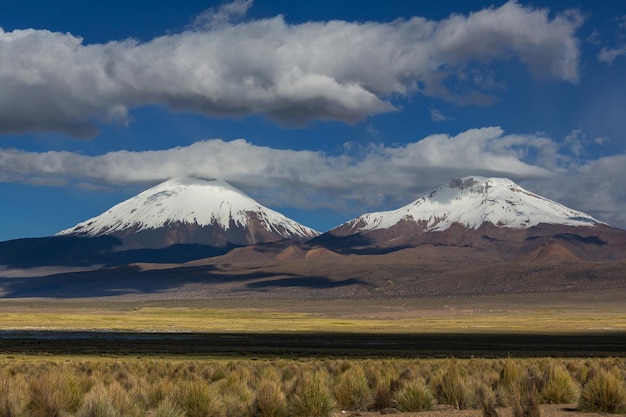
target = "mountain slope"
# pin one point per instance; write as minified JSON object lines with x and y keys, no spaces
{"x":191,"y":211}
{"x":488,"y":213}
{"x":472,"y":202}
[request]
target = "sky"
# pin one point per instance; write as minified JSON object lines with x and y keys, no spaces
{"x":320,"y":110}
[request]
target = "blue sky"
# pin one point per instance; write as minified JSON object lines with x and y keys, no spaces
{"x":320,"y":110}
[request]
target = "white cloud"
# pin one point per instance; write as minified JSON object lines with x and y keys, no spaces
{"x":596,"y":187}
{"x":576,"y":141}
{"x":359,"y":179}
{"x":601,"y":140}
{"x":222,"y":15}
{"x":609,"y":55}
{"x":437,"y":116}
{"x":292,"y":73}
{"x":316,"y":178}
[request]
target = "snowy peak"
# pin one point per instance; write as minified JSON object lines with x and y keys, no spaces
{"x":192,"y":202}
{"x":472,"y":202}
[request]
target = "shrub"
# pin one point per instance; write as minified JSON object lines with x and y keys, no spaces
{"x":312,"y":399}
{"x":559,"y":387}
{"x":352,"y":392}
{"x":416,"y":396}
{"x":605,"y":392}
{"x":269,"y":401}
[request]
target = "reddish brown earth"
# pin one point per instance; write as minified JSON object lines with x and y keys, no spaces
{"x":297,"y":271}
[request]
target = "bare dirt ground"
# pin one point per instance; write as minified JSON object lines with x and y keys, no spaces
{"x":552,"y":410}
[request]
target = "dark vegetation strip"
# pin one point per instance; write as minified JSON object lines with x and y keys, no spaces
{"x":494,"y":345}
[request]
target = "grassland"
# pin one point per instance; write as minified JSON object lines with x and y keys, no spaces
{"x":276,"y":387}
{"x":258,"y":357}
{"x":527,"y":313}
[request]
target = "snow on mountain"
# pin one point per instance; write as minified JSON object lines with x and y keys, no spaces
{"x":193,"y":202}
{"x":472,"y":202}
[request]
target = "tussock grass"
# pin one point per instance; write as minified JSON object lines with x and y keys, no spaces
{"x":47,"y":397}
{"x":558,"y":386}
{"x":36,"y":387}
{"x":526,"y":400}
{"x":269,"y":401}
{"x":198,"y":399}
{"x":487,"y":399}
{"x":169,"y":409}
{"x":13,"y":395}
{"x":312,"y":398}
{"x":98,"y":403}
{"x":352,"y":390}
{"x":604,"y":392}
{"x":414,"y":397}
{"x":455,"y":388}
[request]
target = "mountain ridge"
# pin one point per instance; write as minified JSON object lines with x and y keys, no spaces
{"x":188,"y":210}
{"x":492,"y":214}
{"x":473,"y":201}
{"x":438,"y":256}
{"x":186,"y":219}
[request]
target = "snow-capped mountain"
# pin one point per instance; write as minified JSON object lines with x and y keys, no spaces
{"x":472,"y":202}
{"x":486,"y":213}
{"x":189,"y":210}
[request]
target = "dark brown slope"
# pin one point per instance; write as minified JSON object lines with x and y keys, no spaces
{"x":424,"y":271}
{"x":598,"y":242}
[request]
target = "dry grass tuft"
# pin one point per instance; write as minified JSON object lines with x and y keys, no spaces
{"x":455,"y":388}
{"x":198,"y":399}
{"x":98,"y":403}
{"x":352,"y":391}
{"x":414,"y":397}
{"x":604,"y":393}
{"x":312,"y":398}
{"x":269,"y":401}
{"x":558,"y":386}
{"x":526,"y":401}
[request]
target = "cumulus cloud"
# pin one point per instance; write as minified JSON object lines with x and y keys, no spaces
{"x":366,"y":176}
{"x":596,"y":187}
{"x":359,"y":179}
{"x":293,"y":73}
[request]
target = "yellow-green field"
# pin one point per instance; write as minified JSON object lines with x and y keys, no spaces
{"x":563,"y":313}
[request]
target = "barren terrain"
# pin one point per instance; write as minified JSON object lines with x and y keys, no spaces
{"x":289,"y":272}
